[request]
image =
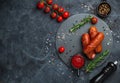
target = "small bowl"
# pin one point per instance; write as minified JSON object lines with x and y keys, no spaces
{"x":106,"y":14}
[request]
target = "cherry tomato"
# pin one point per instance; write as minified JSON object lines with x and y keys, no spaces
{"x":94,"y":20}
{"x":47,"y":9}
{"x":40,"y":5}
{"x":61,"y":49}
{"x":53,"y":15}
{"x":60,"y":9}
{"x":60,"y":19}
{"x":49,"y":2}
{"x":77,"y":61}
{"x":55,"y":6}
{"x":66,"y":14}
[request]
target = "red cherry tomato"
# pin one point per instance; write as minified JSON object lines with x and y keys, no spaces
{"x":47,"y":9}
{"x":60,"y":9}
{"x":55,"y":6}
{"x":77,"y":61}
{"x":94,"y":20}
{"x":60,"y":19}
{"x":40,"y":5}
{"x":49,"y":2}
{"x":53,"y":15}
{"x":66,"y":14}
{"x":61,"y":49}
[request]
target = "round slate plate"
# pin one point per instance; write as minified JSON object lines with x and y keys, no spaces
{"x":72,"y":41}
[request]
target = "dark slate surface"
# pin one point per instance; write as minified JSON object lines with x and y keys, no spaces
{"x":27,"y":42}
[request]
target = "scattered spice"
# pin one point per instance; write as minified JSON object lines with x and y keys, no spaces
{"x":104,"y":9}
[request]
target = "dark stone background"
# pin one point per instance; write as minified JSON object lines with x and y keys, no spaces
{"x":27,"y":42}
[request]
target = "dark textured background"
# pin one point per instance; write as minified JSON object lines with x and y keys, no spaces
{"x":27,"y":42}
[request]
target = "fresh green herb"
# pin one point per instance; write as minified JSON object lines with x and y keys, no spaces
{"x":94,"y":63}
{"x":83,"y":22}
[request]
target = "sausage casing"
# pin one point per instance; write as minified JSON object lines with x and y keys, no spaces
{"x":85,"y":42}
{"x":93,"y":32}
{"x":85,"y":39}
{"x":94,"y":43}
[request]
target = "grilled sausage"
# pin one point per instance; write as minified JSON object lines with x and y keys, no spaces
{"x":85,"y":39}
{"x":85,"y":42}
{"x":94,"y":43}
{"x":93,"y":32}
{"x":98,"y":49}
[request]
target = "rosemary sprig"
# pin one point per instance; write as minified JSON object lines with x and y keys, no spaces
{"x":94,"y":63}
{"x":83,"y":22}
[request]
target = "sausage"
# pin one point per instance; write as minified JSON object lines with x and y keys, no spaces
{"x":93,"y":32}
{"x":91,"y":55}
{"x":94,"y":43}
{"x":98,"y":49}
{"x":85,"y":42}
{"x":85,"y":39}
